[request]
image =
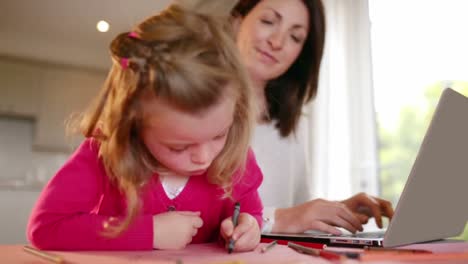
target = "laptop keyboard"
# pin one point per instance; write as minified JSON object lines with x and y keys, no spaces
{"x":377,"y":234}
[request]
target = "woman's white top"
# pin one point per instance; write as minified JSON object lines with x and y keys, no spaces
{"x":283,"y":163}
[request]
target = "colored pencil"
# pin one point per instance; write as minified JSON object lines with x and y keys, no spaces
{"x":269,"y":246}
{"x":302,"y":243}
{"x":316,"y":252}
{"x":48,"y":256}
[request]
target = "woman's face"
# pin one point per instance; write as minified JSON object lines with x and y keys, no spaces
{"x":271,"y":37}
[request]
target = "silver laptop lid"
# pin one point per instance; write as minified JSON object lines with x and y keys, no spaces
{"x":433,"y":204}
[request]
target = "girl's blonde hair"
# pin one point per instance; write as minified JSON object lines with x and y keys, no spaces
{"x":187,"y":59}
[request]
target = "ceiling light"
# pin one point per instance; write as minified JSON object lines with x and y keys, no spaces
{"x":102,"y":26}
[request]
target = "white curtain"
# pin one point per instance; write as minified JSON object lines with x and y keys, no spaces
{"x":342,"y":149}
{"x":334,"y":153}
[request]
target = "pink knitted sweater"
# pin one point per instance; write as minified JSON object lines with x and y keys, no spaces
{"x":71,"y":209}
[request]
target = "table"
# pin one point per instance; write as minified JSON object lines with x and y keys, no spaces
{"x":208,"y":254}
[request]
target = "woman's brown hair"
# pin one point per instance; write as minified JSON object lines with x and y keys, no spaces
{"x":287,"y":94}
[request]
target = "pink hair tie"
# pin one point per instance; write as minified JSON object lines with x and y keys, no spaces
{"x":133,"y":35}
{"x":124,"y":62}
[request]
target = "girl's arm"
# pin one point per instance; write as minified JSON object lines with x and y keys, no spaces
{"x":82,"y":232}
{"x":65,"y":215}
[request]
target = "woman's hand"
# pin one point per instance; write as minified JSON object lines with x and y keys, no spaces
{"x":246,"y":234}
{"x":174,"y":230}
{"x":323,"y":215}
{"x":364,"y":205}
{"x":318,"y":214}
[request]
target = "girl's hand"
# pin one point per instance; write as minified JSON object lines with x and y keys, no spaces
{"x":174,"y":230}
{"x":246,"y":234}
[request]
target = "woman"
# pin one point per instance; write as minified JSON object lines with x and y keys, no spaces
{"x":282,"y":44}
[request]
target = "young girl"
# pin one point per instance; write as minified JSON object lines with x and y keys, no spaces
{"x":166,"y":155}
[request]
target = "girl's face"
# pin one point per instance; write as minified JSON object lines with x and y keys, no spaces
{"x":186,"y":143}
{"x":271,"y":36}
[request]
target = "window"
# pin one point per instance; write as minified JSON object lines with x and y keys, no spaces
{"x":419,"y":47}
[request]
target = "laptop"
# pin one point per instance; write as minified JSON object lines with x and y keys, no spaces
{"x":433,"y":204}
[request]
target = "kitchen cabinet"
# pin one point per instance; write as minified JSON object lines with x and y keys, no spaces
{"x":67,"y":91}
{"x":48,"y":94}
{"x":20,"y":87}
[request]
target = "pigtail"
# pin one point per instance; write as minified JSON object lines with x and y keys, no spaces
{"x":129,"y":51}
{"x":115,"y":121}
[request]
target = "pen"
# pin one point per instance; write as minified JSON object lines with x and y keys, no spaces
{"x":315,"y":252}
{"x":235,"y":218}
{"x":44,"y":255}
{"x":269,"y":246}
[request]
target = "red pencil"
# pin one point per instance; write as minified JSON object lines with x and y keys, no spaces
{"x":316,"y":252}
{"x":302,"y":243}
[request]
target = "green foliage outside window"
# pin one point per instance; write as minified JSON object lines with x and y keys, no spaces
{"x":398,"y":148}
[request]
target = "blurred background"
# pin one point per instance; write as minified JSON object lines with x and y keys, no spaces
{"x":53,"y":60}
